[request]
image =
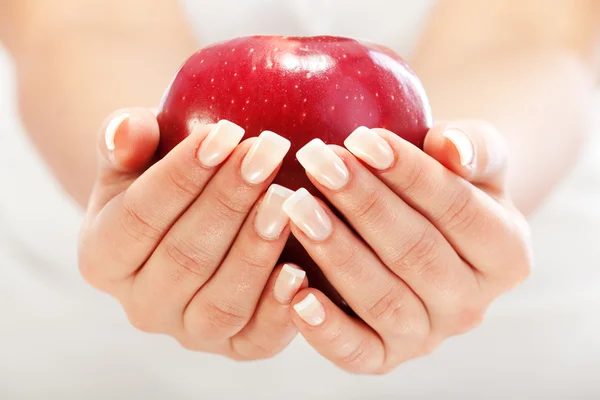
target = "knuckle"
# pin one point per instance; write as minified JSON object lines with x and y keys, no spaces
{"x":247,"y":349}
{"x":219,"y":317}
{"x":141,"y":320}
{"x":420,"y":254}
{"x":191,"y":258}
{"x":185,"y":186}
{"x":372,"y":209}
{"x":413,"y":174}
{"x":399,"y":319}
{"x":136,"y":225}
{"x":358,"y":357}
{"x":462,"y":211}
{"x":227,"y":207}
{"x":252,"y":261}
{"x":465,"y":319}
{"x":347,"y":263}
{"x":388,"y":309}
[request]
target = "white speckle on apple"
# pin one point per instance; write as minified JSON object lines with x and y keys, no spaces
{"x":235,"y":74}
{"x":232,"y":101}
{"x":393,"y":97}
{"x":304,"y":114}
{"x":194,"y":76}
{"x":308,"y":74}
{"x":210,"y":107}
{"x":241,"y":87}
{"x":370,"y":114}
{"x":362,"y":97}
{"x":251,"y":50}
{"x":232,"y":50}
{"x":243,"y":108}
{"x":376,"y":94}
{"x":347,"y":97}
{"x":183,"y":98}
{"x":305,"y":100}
{"x":201,"y":61}
{"x":212,"y":80}
{"x":359,"y":72}
{"x":225,"y":62}
{"x":212,"y":97}
{"x":247,"y":101}
{"x":337,"y":86}
{"x":344,"y":55}
{"x":276,"y":49}
{"x":254,"y":68}
{"x":285,"y":106}
{"x":296,"y":86}
{"x":266,"y":100}
{"x":332,"y":108}
{"x":355,"y":97}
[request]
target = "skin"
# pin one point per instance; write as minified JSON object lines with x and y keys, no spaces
{"x":434,"y":284}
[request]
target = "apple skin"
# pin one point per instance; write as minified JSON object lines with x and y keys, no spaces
{"x":301,"y":88}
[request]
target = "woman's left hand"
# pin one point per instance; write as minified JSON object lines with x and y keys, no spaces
{"x":436,"y":239}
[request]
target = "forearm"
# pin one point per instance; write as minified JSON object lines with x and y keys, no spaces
{"x":77,"y":66}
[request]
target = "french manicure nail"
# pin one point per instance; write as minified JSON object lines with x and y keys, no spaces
{"x":219,"y":143}
{"x":370,"y":147}
{"x":308,"y":215}
{"x":463,"y":145}
{"x":270,"y":219}
{"x":321,"y":162}
{"x":311,"y":310}
{"x":288,"y":282}
{"x":111,"y":130}
{"x":264,"y":156}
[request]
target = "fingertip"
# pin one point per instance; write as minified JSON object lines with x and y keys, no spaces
{"x":290,"y":279}
{"x":129,"y":139}
{"x":451,"y":147}
{"x":309,"y":307}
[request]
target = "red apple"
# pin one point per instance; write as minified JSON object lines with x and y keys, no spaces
{"x":301,"y":88}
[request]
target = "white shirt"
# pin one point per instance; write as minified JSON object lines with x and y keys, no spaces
{"x":61,"y":339}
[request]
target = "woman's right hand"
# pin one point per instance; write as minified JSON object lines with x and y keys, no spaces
{"x":189,"y":244}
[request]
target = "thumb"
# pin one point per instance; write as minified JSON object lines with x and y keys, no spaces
{"x":475,"y":150}
{"x":127,"y":142}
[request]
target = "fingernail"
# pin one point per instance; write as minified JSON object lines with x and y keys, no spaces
{"x":288,"y":282}
{"x":111,"y":130}
{"x":463,"y":145}
{"x":270,"y":219}
{"x":370,"y":147}
{"x":308,"y":215}
{"x":322,"y":163}
{"x":311,"y":310}
{"x":264,"y":156}
{"x":219,"y":143}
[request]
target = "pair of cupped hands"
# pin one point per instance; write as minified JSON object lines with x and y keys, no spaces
{"x":189,"y":244}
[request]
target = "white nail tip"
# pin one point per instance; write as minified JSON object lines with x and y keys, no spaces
{"x":280,"y":191}
{"x":111,"y":130}
{"x":307,"y":302}
{"x":263,"y":158}
{"x":463,"y":145}
{"x":297,"y":273}
{"x":220,"y":142}
{"x":295,"y":198}
{"x":324,"y":164}
{"x":370,"y":148}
